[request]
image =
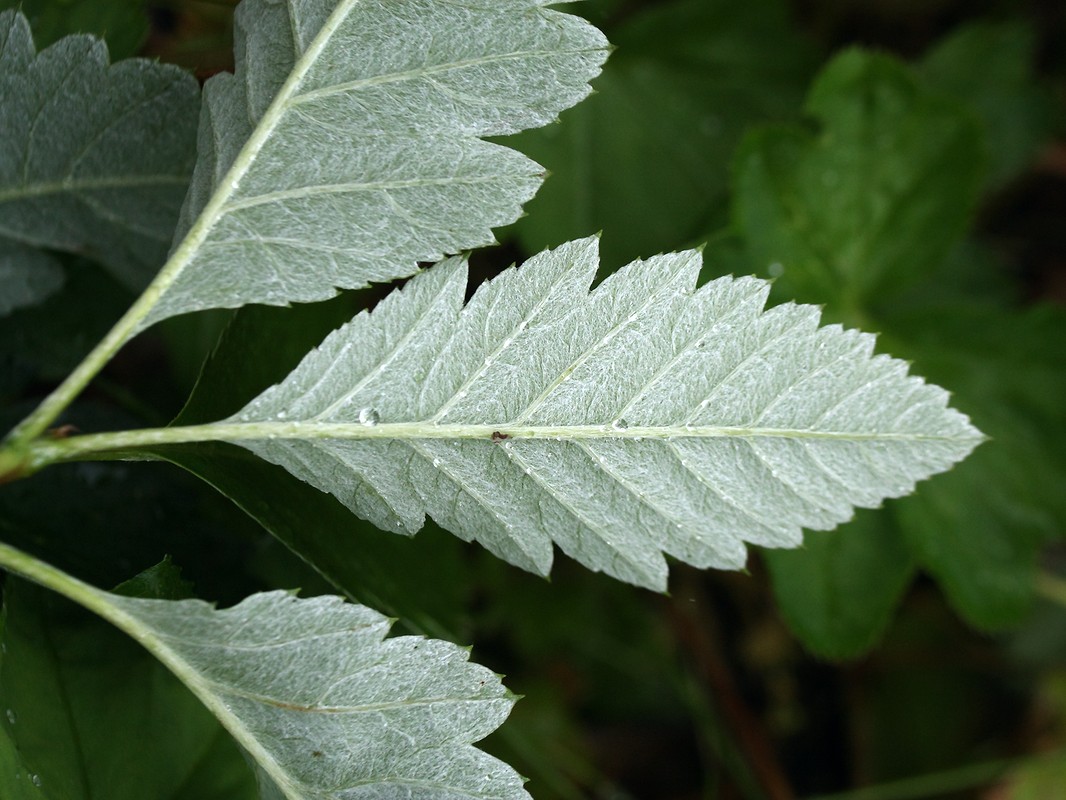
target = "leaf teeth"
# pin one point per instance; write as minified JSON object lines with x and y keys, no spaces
{"x":347,"y":147}
{"x":322,"y":702}
{"x":640,"y":418}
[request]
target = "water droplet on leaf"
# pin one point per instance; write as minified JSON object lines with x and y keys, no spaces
{"x":620,"y":424}
{"x":36,"y":780}
{"x":11,"y":717}
{"x":369,"y":416}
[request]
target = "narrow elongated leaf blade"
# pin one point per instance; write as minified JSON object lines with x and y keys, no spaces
{"x":643,"y":417}
{"x":94,"y":159}
{"x":346,"y":147}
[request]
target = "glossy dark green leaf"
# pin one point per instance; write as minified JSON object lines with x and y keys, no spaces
{"x":870,"y":201}
{"x":838,"y":592}
{"x":646,"y":158}
{"x":90,"y":714}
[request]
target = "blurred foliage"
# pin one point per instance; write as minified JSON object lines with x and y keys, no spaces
{"x":902,"y":164}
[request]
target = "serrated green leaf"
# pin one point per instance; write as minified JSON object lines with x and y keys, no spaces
{"x":871,"y":202}
{"x":96,"y":158}
{"x":324,"y":706}
{"x":979,"y":529}
{"x":27,"y":276}
{"x":685,"y":81}
{"x":346,"y":147}
{"x":647,"y":416}
{"x":837,"y":592}
{"x":77,"y":698}
{"x":990,"y":67}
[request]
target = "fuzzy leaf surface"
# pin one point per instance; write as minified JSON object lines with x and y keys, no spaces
{"x":324,"y":706}
{"x":643,"y":417}
{"x":94,"y":158}
{"x":346,"y":147}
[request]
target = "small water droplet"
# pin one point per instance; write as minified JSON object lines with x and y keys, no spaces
{"x":620,"y":424}
{"x":776,"y":270}
{"x":369,"y":416}
{"x":281,"y":415}
{"x":11,"y":716}
{"x":36,"y":780}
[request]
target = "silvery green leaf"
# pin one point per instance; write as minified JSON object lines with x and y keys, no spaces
{"x":643,"y":417}
{"x":326,"y":707}
{"x":27,"y":276}
{"x":347,"y":147}
{"x":94,"y":159}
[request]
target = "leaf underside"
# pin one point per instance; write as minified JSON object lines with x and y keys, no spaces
{"x":647,"y":416}
{"x":325,"y":706}
{"x":96,"y":158}
{"x":346,"y":148}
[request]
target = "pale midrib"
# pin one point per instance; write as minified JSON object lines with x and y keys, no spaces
{"x":47,"y":451}
{"x":89,"y":185}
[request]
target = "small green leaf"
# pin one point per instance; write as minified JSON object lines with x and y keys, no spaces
{"x":990,"y":67}
{"x":77,"y":698}
{"x":647,"y":416}
{"x":27,"y":276}
{"x":870,"y":202}
{"x":837,"y":592}
{"x":96,"y":158}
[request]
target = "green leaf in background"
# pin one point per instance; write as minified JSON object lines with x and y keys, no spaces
{"x":27,"y":276}
{"x":990,"y":67}
{"x":871,"y":201}
{"x":838,"y":591}
{"x":324,"y":706}
{"x":347,"y":147}
{"x":646,"y":158}
{"x":979,"y":529}
{"x":89,"y":714}
{"x":97,"y":158}
{"x":121,"y":23}
{"x":647,"y":416}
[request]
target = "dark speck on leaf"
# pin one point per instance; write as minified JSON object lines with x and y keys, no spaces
{"x":499,"y":437}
